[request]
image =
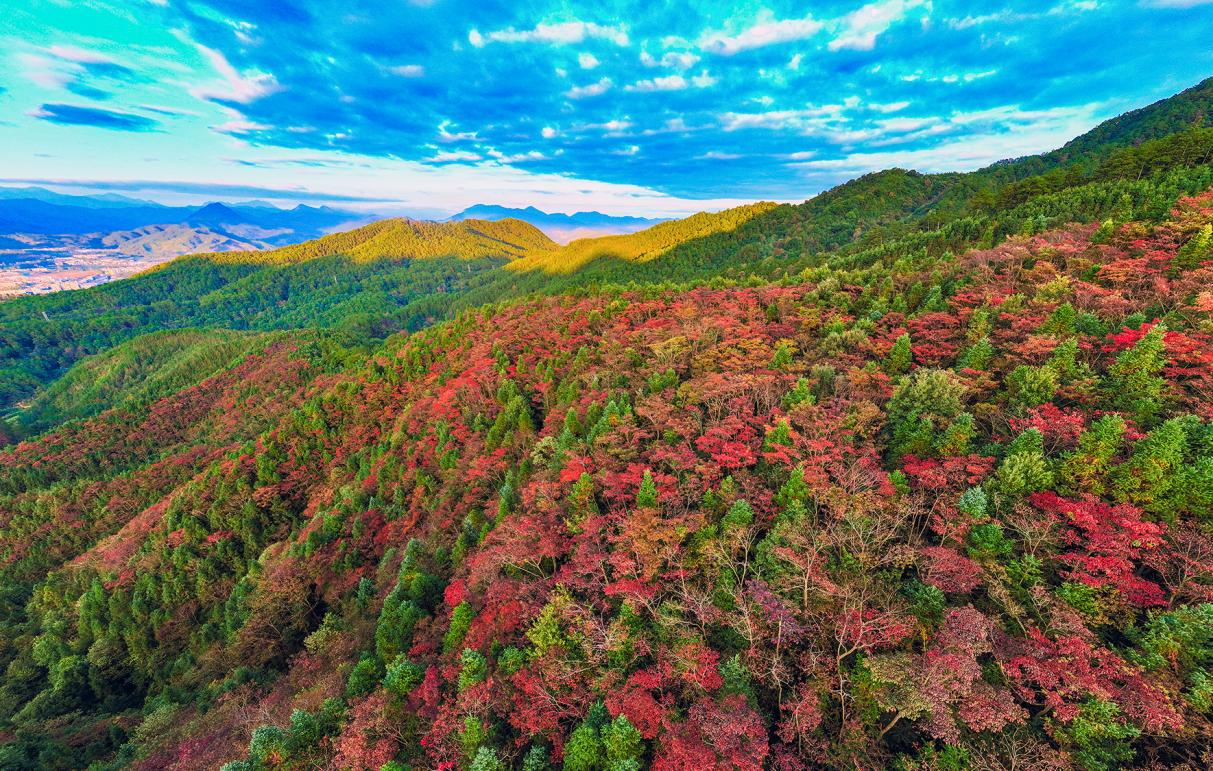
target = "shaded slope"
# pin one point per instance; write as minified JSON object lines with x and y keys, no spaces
{"x":139,"y":370}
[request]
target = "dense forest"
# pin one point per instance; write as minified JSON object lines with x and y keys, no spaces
{"x":917,"y":474}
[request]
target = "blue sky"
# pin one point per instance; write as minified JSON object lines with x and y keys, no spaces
{"x":628,"y":107}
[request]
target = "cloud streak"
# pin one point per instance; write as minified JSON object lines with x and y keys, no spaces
{"x":764,"y":33}
{"x":563,"y":33}
{"x":77,"y":115}
{"x":233,"y":86}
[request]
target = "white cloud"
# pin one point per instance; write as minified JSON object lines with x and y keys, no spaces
{"x":803,"y":120}
{"x":81,"y":55}
{"x":679,"y":60}
{"x":239,"y":126}
{"x":668,"y":83}
{"x":46,"y":72}
{"x":456,"y":156}
{"x":673,"y":83}
{"x":971,"y":76}
{"x":457,"y":136}
{"x":859,"y":29}
{"x":1001,"y":17}
{"x":533,"y":155}
{"x":408,"y":70}
{"x":888,"y":107}
{"x":563,"y":33}
{"x":794,"y":62}
{"x":594,"y":89}
{"x":715,"y":155}
{"x":235,"y":86}
{"x":612,"y":126}
{"x":548,"y":132}
{"x":587,"y":61}
{"x":766,"y":31}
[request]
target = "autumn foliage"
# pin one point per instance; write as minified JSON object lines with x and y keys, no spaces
{"x":798,"y":524}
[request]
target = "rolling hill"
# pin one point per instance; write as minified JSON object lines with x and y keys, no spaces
{"x":399,"y":238}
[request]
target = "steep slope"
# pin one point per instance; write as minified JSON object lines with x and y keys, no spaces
{"x":889,"y":196}
{"x":140,"y":370}
{"x":1190,"y":108}
{"x":1080,"y":157}
{"x":922,"y":511}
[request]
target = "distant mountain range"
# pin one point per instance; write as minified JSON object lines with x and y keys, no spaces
{"x":90,"y":238}
{"x":40,"y":212}
{"x":559,"y":227}
{"x":34,"y":218}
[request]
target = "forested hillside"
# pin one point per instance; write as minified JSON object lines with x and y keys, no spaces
{"x":917,"y":474}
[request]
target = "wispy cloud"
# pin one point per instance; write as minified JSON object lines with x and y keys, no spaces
{"x":667,"y":83}
{"x":593,"y":89}
{"x":681,"y":60}
{"x":80,"y":55}
{"x":408,"y":70}
{"x":562,"y":33}
{"x":860,"y":28}
{"x":233,"y":86}
{"x":767,"y":31}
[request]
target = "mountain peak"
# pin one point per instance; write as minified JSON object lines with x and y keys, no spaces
{"x":214,"y":209}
